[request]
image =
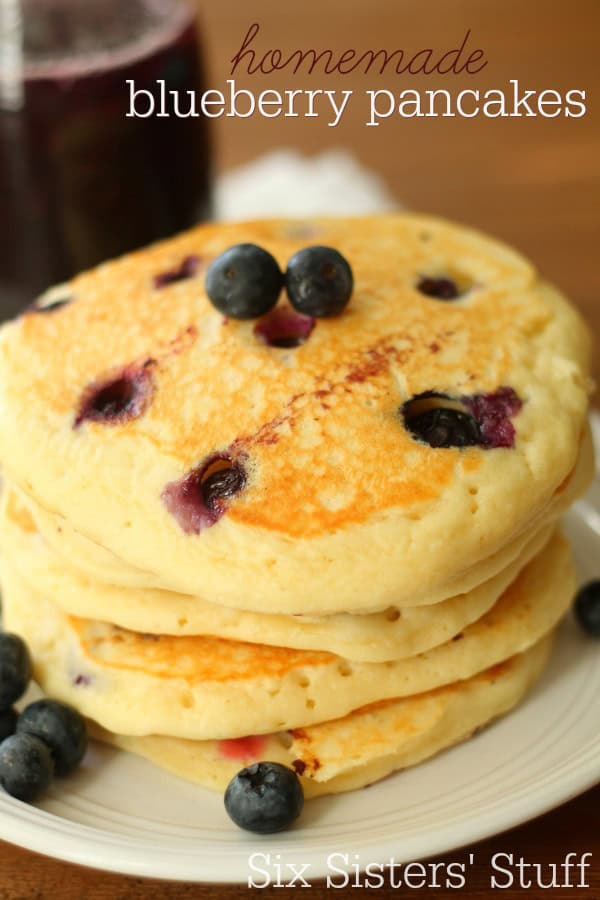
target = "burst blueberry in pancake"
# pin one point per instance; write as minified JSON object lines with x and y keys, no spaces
{"x":339,"y":501}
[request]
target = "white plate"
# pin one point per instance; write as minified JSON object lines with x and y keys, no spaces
{"x":122,"y":814}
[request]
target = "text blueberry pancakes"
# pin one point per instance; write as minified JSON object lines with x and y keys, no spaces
{"x":286,"y":534}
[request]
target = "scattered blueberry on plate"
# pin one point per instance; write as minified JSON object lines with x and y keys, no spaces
{"x":61,"y":727}
{"x":15,"y":668}
{"x":8,"y":722}
{"x":264,"y":798}
{"x":587,"y":608}
{"x":47,"y":738}
{"x":26,"y":766}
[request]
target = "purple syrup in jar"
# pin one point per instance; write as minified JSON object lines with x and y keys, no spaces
{"x":80,"y":181}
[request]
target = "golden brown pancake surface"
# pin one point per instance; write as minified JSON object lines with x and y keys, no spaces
{"x":341,"y":503}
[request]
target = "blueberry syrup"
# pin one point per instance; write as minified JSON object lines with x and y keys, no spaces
{"x":243,"y":748}
{"x":79,"y":181}
{"x":200,"y":498}
{"x":284,"y":328}
{"x":440,"y":288}
{"x":187,"y":269}
{"x":493,"y":412}
{"x":119,"y":399}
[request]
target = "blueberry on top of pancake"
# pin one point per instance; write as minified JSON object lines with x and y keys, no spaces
{"x":342,"y":504}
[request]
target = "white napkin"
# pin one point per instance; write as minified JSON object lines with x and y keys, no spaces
{"x":285,"y":183}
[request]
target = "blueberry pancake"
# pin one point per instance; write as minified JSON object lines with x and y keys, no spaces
{"x":203,"y":687}
{"x":105,"y":568}
{"x":391,"y":634}
{"x":364,"y":460}
{"x":101,"y":567}
{"x":362,"y":747}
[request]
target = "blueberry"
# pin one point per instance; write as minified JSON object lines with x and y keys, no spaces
{"x":440,"y":288}
{"x":264,"y":797}
{"x":113,"y":399}
{"x":493,"y":412}
{"x":244,"y":282}
{"x":26,"y":766}
{"x":221,"y":486}
{"x":61,"y":727}
{"x":587,"y":608}
{"x":443,"y":427}
{"x":319,"y":281}
{"x":8,"y":723}
{"x":186,"y":269}
{"x":200,"y":498}
{"x":15,"y":668}
{"x":118,"y":400}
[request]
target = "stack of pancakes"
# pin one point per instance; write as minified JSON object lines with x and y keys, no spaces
{"x":362,"y":599}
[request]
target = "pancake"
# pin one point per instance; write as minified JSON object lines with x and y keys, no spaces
{"x":102,"y":567}
{"x":364,"y":746}
{"x":391,"y":634}
{"x":205,"y":687}
{"x":343,"y":509}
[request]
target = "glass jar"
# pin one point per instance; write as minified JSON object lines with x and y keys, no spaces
{"x":80,"y":179}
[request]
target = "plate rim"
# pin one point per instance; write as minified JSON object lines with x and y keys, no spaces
{"x":135,"y":857}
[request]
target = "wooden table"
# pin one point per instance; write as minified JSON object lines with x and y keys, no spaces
{"x":533,"y":182}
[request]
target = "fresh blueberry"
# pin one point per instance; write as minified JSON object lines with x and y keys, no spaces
{"x":221,"y":486}
{"x":319,"y":281}
{"x":440,"y":288}
{"x":440,"y":426}
{"x":8,"y":723}
{"x":60,"y":727}
{"x":15,"y":668}
{"x":26,"y":766}
{"x":587,"y":608}
{"x":244,"y":282}
{"x":264,"y":797}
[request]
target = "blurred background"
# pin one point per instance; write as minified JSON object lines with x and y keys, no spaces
{"x":80,"y":182}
